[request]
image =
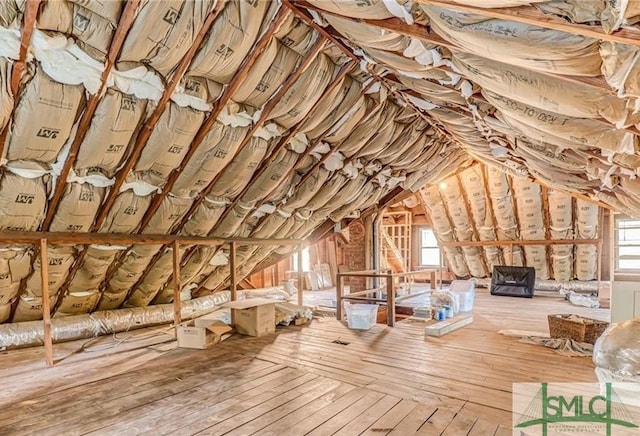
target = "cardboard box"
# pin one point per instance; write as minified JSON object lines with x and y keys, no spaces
{"x":191,"y":336}
{"x":223,"y":316}
{"x":253,"y":317}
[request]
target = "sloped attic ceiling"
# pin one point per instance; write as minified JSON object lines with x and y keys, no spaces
{"x":196,"y":118}
{"x":260,"y":119}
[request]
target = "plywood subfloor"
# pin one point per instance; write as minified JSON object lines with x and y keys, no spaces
{"x":318,"y":379}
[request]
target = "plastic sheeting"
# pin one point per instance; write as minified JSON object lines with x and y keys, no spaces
{"x":28,"y":334}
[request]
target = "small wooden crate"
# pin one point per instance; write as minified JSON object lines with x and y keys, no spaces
{"x":577,"y":328}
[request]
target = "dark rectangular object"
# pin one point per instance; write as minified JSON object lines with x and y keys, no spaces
{"x":513,"y":281}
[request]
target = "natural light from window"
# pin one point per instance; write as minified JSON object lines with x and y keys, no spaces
{"x":628,"y":244}
{"x":429,"y":251}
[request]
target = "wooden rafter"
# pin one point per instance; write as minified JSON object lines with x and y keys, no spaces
{"x":533,"y":17}
{"x":147,"y":127}
{"x":416,"y":31}
{"x":86,"y":238}
{"x":125,"y":23}
{"x":516,"y":215}
{"x":206,"y":127}
{"x":28,"y":25}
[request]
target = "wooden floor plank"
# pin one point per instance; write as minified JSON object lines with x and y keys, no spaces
{"x":366,"y":419}
{"x":387,"y":422}
{"x":347,"y":415}
{"x":296,"y":381}
{"x":283,"y":425}
{"x":326,"y":413}
{"x":414,"y":420}
{"x":460,"y":425}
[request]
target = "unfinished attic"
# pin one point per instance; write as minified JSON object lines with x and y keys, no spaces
{"x":318,"y":217}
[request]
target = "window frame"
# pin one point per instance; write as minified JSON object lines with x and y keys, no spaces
{"x":632,"y":243}
{"x":428,"y":247}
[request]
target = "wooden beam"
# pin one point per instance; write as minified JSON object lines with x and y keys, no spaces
{"x":28,"y":24}
{"x":125,"y":23}
{"x":70,"y":238}
{"x":206,"y":127}
{"x":521,"y":242}
{"x":148,"y":126}
{"x":397,"y":25}
{"x":600,"y":242}
{"x":531,"y":16}
{"x":177,"y":302}
{"x":46,"y":305}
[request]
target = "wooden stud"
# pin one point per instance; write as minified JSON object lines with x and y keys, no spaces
{"x":148,"y":126}
{"x":221,"y":103}
{"x":234,"y":274}
{"x":125,"y":23}
{"x":600,"y":243}
{"x":613,"y":235}
{"x":391,"y":302}
{"x":547,"y":226}
{"x":339,"y":294}
{"x":489,"y":200}
{"x":177,"y":301}
{"x":300,"y":276}
{"x":46,"y":305}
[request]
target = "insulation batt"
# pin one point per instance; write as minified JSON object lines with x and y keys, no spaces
{"x":163,"y":32}
{"x":365,"y":9}
{"x":216,"y":151}
{"x":22,"y":202}
{"x":333,"y":108}
{"x":112,"y":128}
{"x":535,"y":47}
{"x":57,"y":106}
{"x":298,"y":100}
{"x":126,"y":213}
{"x":168,"y":144}
{"x":78,"y":208}
{"x":268,"y":72}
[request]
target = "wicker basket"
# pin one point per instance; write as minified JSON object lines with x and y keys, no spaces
{"x":576,"y":327}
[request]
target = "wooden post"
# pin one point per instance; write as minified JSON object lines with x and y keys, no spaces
{"x":339,"y":293}
{"x":177,"y":302}
{"x":391,"y":302}
{"x":300,"y":275}
{"x":600,"y":243}
{"x":232,"y":267}
{"x":612,"y":246}
{"x":46,"y":306}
